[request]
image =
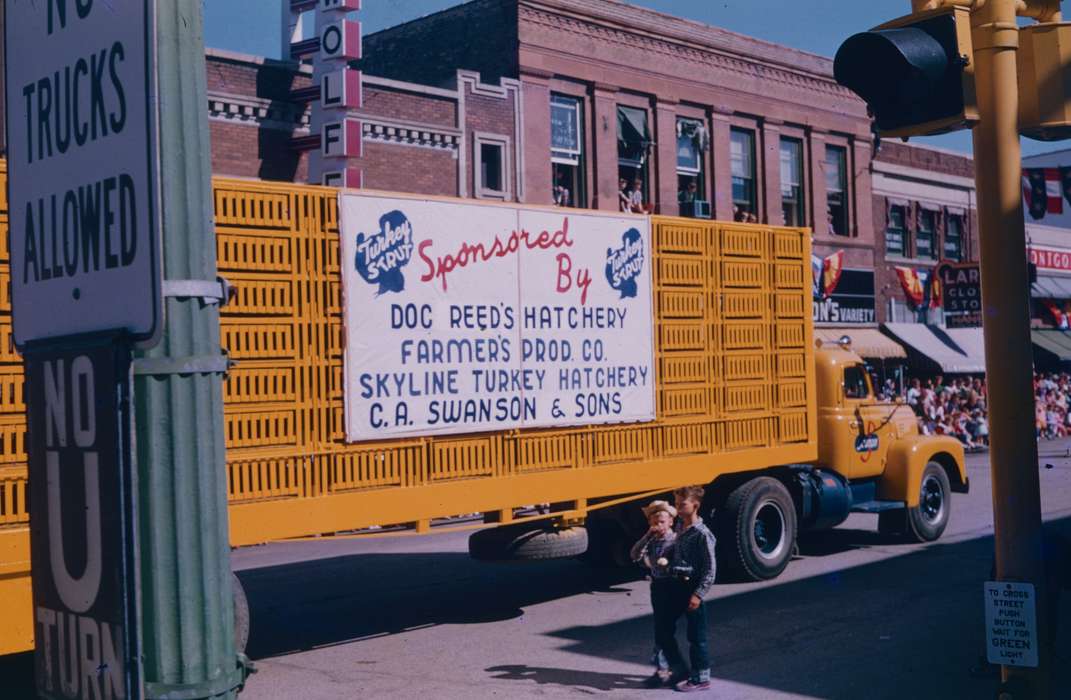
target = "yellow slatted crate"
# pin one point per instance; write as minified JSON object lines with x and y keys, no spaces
{"x":675,"y":303}
{"x":789,"y":276}
{"x":744,"y":365}
{"x":689,"y":439}
{"x":254,"y":250}
{"x":743,"y":273}
{"x":790,"y":244}
{"x":685,"y":368}
{"x":680,"y":401}
{"x":737,"y":304}
{"x":744,"y":397}
{"x":376,"y":468}
{"x":623,"y":444}
{"x":681,"y":335}
{"x":792,"y":427}
{"x":744,"y":241}
{"x":12,"y":440}
{"x":265,"y":477}
{"x":261,"y":426}
{"x":680,"y":271}
{"x":5,"y":288}
{"x":791,"y":334}
{"x":14,"y":496}
{"x":260,"y":295}
{"x":7,"y":342}
{"x":792,"y":364}
{"x":791,"y":393}
{"x":745,"y":335}
{"x":745,"y":432}
{"x":4,"y":253}
{"x":254,"y":339}
{"x":790,"y":305}
{"x":681,"y":238}
{"x":461,"y":459}
{"x":545,"y":451}
{"x":12,"y":397}
{"x":260,"y":381}
{"x":241,"y":207}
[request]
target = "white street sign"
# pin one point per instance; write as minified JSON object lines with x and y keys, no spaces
{"x":82,"y":168}
{"x":1011,"y":624}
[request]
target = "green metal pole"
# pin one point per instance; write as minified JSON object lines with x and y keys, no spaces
{"x":187,"y":609}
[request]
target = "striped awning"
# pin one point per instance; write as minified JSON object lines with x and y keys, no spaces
{"x":953,"y":350}
{"x":866,"y":342}
{"x":1056,"y":342}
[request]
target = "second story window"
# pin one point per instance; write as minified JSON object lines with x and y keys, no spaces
{"x":894,"y":231}
{"x":837,"y":190}
{"x":954,"y":237}
{"x":492,"y":166}
{"x":567,"y":151}
{"x":692,"y":144}
{"x":924,"y":234}
{"x":742,"y":163}
{"x":633,"y":141}
{"x":792,"y":182}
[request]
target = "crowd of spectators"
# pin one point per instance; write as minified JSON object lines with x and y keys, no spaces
{"x":957,"y":406}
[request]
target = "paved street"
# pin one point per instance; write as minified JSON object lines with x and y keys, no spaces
{"x":853,"y":617}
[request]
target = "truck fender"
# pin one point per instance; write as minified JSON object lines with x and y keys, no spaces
{"x":907,"y":459}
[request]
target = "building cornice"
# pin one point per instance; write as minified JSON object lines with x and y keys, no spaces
{"x":681,"y":39}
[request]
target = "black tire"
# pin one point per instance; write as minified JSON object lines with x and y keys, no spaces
{"x":241,"y":615}
{"x":523,"y":543}
{"x":928,"y":520}
{"x":759,"y":531}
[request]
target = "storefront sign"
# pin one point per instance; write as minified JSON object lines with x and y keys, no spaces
{"x":1051,"y":258}
{"x":463,"y":318}
{"x":82,"y":160}
{"x":961,"y":294}
{"x":851,"y":301}
{"x":83,"y":529}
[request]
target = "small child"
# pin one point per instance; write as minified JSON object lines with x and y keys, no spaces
{"x":653,"y":552}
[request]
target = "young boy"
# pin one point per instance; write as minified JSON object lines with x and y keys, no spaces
{"x":692,"y":561}
{"x":653,"y":551}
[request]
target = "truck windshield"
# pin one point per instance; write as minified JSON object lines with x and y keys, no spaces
{"x":856,"y":382}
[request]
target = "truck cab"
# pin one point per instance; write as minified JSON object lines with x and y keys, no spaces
{"x":876,"y":452}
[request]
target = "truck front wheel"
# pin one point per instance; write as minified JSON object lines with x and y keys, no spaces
{"x":760,"y":529}
{"x":927,"y":521}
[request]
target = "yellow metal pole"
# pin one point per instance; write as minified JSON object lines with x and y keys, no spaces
{"x":1013,"y":452}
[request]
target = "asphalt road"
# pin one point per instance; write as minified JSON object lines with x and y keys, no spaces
{"x":855,"y":616}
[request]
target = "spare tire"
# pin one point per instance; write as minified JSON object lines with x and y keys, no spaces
{"x":241,"y":615}
{"x":525,"y":543}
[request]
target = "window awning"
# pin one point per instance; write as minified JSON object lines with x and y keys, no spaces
{"x":953,"y":350}
{"x":1051,"y":287}
{"x":866,"y":342}
{"x":1056,"y":342}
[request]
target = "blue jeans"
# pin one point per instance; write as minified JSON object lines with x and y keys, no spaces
{"x":669,"y":598}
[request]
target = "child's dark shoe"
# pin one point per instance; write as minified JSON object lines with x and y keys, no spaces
{"x":657,"y":679}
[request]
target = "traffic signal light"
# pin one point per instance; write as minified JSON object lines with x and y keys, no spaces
{"x":914,"y":73}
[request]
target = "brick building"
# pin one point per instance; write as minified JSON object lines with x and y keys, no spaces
{"x":417,"y":138}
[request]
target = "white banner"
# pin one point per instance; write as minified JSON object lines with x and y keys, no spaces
{"x":464,"y":317}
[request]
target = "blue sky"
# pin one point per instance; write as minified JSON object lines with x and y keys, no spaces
{"x":818,"y":26}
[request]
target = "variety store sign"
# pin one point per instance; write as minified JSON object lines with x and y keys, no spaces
{"x":1051,"y":258}
{"x":463,"y":318}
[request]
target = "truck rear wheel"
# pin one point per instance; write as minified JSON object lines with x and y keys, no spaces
{"x":525,"y":543}
{"x":760,"y":529}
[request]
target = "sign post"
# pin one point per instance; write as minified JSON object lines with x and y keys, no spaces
{"x":83,"y":532}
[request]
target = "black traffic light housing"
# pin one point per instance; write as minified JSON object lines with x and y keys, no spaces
{"x":915,"y":73}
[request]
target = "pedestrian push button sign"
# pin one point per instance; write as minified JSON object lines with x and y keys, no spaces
{"x":82,"y":166}
{"x":1011,"y":624}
